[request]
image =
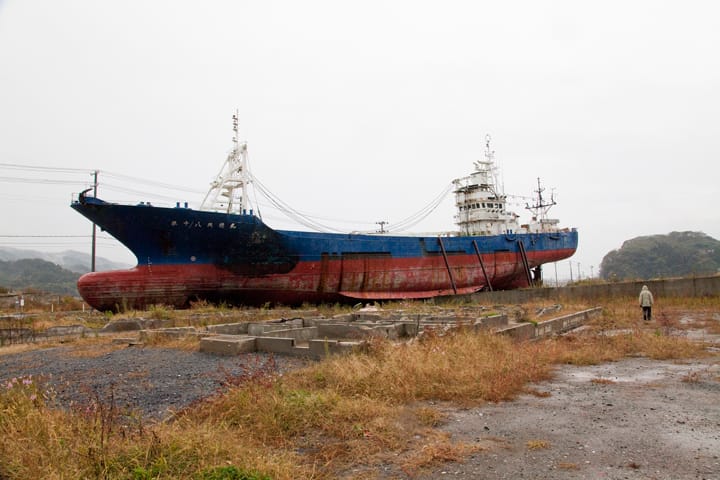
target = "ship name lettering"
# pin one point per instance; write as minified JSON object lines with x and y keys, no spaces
{"x":173,"y":223}
{"x":233,"y":226}
{"x":221,"y":225}
{"x":210,"y":225}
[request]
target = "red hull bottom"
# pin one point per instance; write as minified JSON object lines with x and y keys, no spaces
{"x":312,"y":282}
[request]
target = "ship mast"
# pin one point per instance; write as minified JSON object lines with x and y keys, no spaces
{"x":541,"y":207}
{"x":228,"y":192}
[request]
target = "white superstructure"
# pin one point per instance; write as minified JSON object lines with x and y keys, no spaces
{"x":482,"y":204}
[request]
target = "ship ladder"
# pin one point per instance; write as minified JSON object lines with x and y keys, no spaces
{"x":482,"y":265}
{"x":447,"y":265}
{"x":526,"y":265}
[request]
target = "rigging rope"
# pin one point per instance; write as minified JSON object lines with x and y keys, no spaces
{"x":423,"y":213}
{"x":289,"y":211}
{"x":306,"y":220}
{"x":152,"y":182}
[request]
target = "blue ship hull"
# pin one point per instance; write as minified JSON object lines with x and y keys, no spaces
{"x":185,"y":255}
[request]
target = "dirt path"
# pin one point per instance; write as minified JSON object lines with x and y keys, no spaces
{"x":632,"y":419}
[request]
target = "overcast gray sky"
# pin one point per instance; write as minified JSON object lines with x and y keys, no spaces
{"x":358,"y":112}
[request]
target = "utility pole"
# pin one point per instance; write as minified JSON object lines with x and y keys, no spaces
{"x":570,"y":262}
{"x":94,"y":231}
{"x":578,"y":271}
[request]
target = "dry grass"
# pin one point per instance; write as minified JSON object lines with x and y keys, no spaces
{"x":17,"y":348}
{"x":537,"y":444}
{"x":535,"y":392}
{"x":460,"y":367}
{"x":620,"y":331}
{"x":92,"y":348}
{"x":692,"y":377}
{"x":708,"y":373}
{"x":341,"y":416}
{"x":430,"y":417}
{"x":435,"y":449}
{"x":187,"y":343}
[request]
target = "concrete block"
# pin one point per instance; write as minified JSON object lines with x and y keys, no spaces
{"x":340,"y":330}
{"x":530,"y":331}
{"x":123,"y":325}
{"x":60,"y":331}
{"x":275,"y":345}
{"x":311,"y":322}
{"x":391,"y":331}
{"x":574,"y":320}
{"x":229,"y":328}
{"x":19,"y":335}
{"x":227,"y":345}
{"x":495,"y":321}
{"x":343,"y":318}
{"x":294,"y":323}
{"x":545,"y":329}
{"x":300,"y":334}
{"x":256,"y":329}
{"x":366,"y":317}
{"x":178,"y":332}
{"x":282,"y":323}
{"x":522,"y":331}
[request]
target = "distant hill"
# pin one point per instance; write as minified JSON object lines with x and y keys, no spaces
{"x":72,"y":260}
{"x":673,"y":255}
{"x":40,"y":275}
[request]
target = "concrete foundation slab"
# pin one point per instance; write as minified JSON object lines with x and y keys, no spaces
{"x":227,"y":345}
{"x":229,"y":328}
{"x":275,"y":345}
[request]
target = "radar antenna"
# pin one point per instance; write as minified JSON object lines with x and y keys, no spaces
{"x":541,"y":206}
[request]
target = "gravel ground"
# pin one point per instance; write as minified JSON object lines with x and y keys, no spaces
{"x":633,"y":419}
{"x":153,"y":381}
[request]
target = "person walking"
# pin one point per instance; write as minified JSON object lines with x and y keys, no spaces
{"x":646,"y":301}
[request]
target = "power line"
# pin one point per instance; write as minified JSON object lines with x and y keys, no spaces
{"x":41,"y":180}
{"x":43,"y":168}
{"x":26,"y":244}
{"x":39,"y":168}
{"x":51,"y":236}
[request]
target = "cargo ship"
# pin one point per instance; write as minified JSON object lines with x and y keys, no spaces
{"x":223,"y":252}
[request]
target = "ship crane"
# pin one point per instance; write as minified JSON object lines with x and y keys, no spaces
{"x":229,"y":191}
